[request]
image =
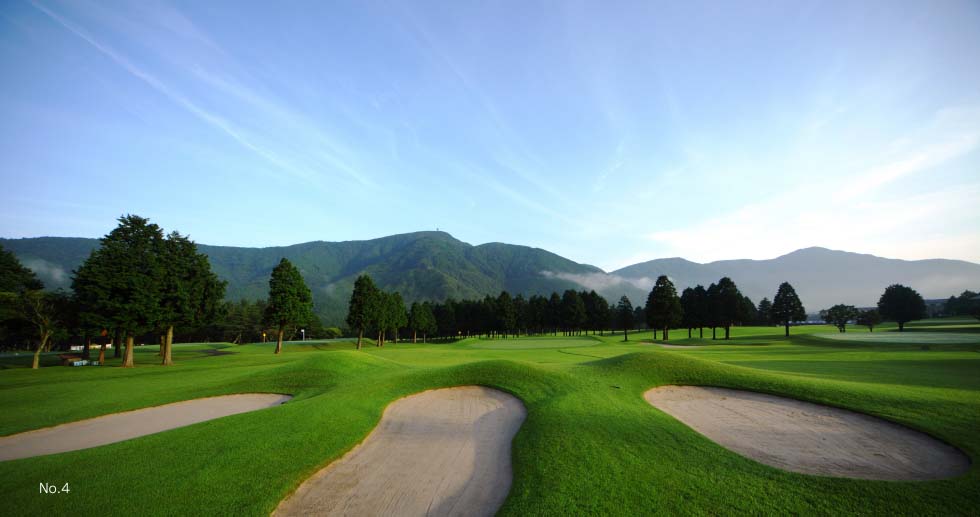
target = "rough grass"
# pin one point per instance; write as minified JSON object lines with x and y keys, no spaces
{"x":590,"y":444}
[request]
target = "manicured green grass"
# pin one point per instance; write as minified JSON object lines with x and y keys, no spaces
{"x":590,"y":444}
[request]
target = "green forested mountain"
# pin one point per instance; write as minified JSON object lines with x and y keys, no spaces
{"x":422,"y":266}
{"x":435,"y":266}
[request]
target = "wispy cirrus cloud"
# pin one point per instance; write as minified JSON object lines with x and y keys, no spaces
{"x":307,"y":165}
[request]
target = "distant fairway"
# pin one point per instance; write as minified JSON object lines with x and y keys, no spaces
{"x":905,"y":338}
{"x":533,"y":343}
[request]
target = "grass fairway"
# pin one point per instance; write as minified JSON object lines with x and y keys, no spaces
{"x":590,"y":444}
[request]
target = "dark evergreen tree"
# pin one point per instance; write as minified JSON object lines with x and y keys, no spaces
{"x":702,"y":309}
{"x":361,"y":311}
{"x":554,"y":318}
{"x":786,"y":307}
{"x":572,"y":311}
{"x":625,"y":316}
{"x":506,"y":314}
{"x":663,"y":308}
{"x":763,"y":312}
{"x":727,"y":303}
{"x":689,"y":308}
{"x":290,"y":300}
{"x":901,"y":304}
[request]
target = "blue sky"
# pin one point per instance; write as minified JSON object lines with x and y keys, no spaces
{"x":607,"y":132}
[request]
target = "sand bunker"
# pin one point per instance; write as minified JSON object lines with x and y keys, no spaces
{"x":809,"y":438}
{"x":440,"y":452}
{"x":131,"y":424}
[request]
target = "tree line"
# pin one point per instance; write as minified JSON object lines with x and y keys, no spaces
{"x":374,"y":312}
{"x":898,"y":303}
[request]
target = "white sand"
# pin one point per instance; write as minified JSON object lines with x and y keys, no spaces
{"x":439,"y":452}
{"x":130,"y":424}
{"x":809,"y":438}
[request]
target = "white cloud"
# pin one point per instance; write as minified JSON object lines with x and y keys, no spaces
{"x":601,"y":281}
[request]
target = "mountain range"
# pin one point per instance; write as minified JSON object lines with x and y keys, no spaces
{"x":435,"y":266}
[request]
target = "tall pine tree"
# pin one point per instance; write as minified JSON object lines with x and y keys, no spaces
{"x":786,"y":306}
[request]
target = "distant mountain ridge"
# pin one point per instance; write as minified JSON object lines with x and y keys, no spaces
{"x":436,"y":266}
{"x":821,"y":276}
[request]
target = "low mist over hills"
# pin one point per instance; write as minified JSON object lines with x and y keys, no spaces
{"x":435,"y":266}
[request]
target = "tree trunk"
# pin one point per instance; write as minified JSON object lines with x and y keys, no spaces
{"x":423,"y":338}
{"x":901,"y":326}
{"x":117,"y":345}
{"x":415,"y":336}
{"x":168,"y":342}
{"x":626,"y":335}
{"x":700,"y":332}
{"x":87,"y":354}
{"x":102,"y":354}
{"x":727,"y":329}
{"x":360,"y":335}
{"x":666,"y":333}
{"x":282,"y":330}
{"x":713,"y":333}
{"x":689,"y":333}
{"x":128,"y":359}
{"x":787,"y":329}
{"x":378,"y":342}
{"x":40,"y":346}
{"x":654,"y":333}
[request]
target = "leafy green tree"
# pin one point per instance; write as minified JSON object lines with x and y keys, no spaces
{"x":764,"y":311}
{"x":120,"y":284}
{"x":663,"y":308}
{"x":363,"y":307}
{"x":192,"y":294}
{"x":42,"y":311}
{"x":869,"y":318}
{"x":786,"y":306}
{"x":839,"y":315}
{"x":624,"y":316}
{"x":901,"y":304}
{"x":290,"y":300}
